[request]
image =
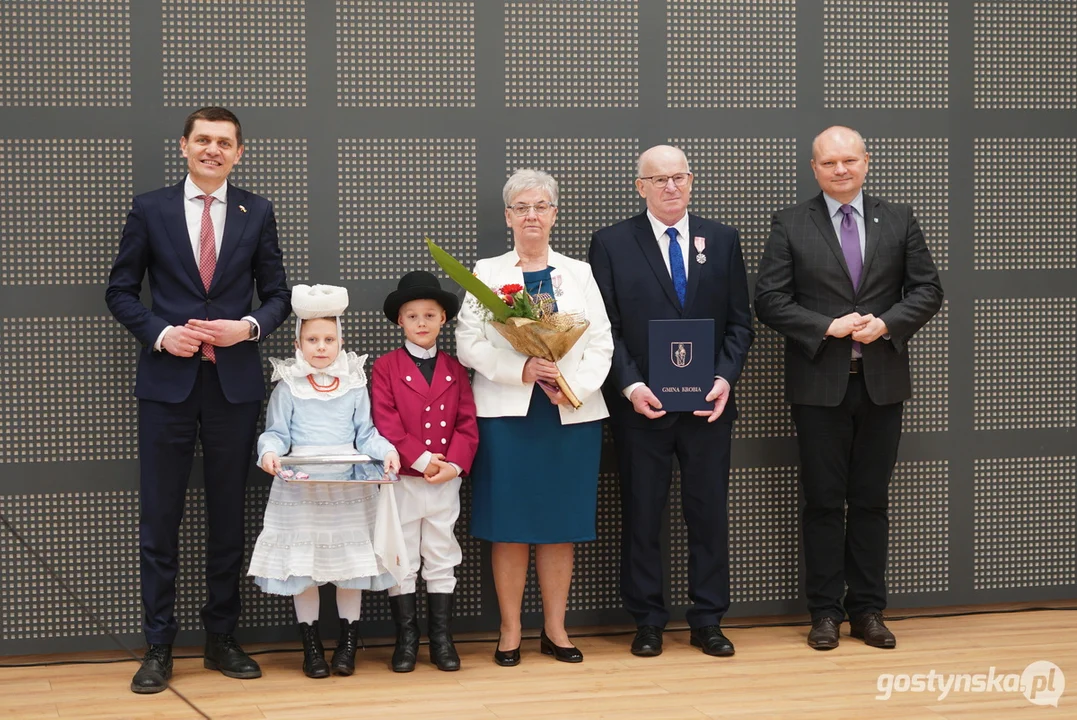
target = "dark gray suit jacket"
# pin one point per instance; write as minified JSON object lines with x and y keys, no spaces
{"x":804,"y":284}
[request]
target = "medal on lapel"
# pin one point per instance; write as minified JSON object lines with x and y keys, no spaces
{"x":556,"y":279}
{"x":701,"y":244}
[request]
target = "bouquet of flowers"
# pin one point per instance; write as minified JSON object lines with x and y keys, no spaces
{"x":527,"y":322}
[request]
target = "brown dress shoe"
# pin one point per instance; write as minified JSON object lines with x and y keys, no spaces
{"x":823,"y":634}
{"x":869,"y":627}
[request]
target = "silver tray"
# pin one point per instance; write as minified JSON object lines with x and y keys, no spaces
{"x":356,"y":460}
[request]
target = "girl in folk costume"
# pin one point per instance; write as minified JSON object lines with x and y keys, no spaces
{"x":324,"y":532}
{"x":424,"y":406}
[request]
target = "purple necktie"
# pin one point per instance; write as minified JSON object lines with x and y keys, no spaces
{"x":850,"y":248}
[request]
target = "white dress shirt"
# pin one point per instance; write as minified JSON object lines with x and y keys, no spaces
{"x":193,"y":208}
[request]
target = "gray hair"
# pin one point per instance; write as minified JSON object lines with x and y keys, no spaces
{"x":522,"y":180}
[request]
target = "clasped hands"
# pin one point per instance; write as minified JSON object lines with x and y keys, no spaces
{"x":545,"y":373}
{"x":646,"y":404}
{"x":439,"y":470}
{"x":863,"y":328}
{"x":271,"y":463}
{"x":185,"y":340}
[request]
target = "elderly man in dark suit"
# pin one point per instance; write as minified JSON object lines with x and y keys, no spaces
{"x":662,"y":265}
{"x":205,"y":246}
{"x":847,"y":279}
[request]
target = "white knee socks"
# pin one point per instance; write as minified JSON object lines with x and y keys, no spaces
{"x":348,"y":604}
{"x":307,"y":605}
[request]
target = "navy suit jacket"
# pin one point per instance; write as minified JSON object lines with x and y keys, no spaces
{"x":636,"y":287}
{"x":156,"y":243}
{"x":804,"y":283}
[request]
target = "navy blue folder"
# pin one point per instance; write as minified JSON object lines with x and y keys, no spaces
{"x":681,"y":363}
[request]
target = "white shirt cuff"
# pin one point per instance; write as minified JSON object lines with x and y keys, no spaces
{"x":628,"y":390}
{"x":160,"y":339}
{"x":423,"y":460}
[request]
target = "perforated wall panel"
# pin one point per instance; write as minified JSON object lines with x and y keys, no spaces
{"x":264,"y":57}
{"x":1025,"y":370}
{"x":929,"y":357}
{"x":382,"y":242}
{"x":405,"y":54}
{"x":731,"y":53}
{"x":65,"y":53}
{"x":1025,"y":512}
{"x":886,"y":54}
{"x":1025,"y":221}
{"x":60,"y":212}
{"x":916,"y":171}
{"x":1025,"y":54}
{"x":66,"y":390}
{"x":571,"y":54}
{"x":919,"y":552}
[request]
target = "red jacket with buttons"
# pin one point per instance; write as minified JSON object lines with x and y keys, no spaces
{"x":416,"y":417}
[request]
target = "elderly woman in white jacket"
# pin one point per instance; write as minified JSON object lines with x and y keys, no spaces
{"x":535,"y":478}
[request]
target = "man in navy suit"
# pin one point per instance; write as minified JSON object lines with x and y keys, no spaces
{"x":847,"y":279}
{"x":666,"y":264}
{"x":206,"y":247}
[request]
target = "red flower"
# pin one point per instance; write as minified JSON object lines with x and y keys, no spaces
{"x":508,"y":299}
{"x":511,"y":289}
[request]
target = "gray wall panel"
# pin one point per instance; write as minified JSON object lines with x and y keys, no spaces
{"x":371,"y":124}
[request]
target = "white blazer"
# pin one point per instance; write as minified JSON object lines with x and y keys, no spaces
{"x":499,"y":387}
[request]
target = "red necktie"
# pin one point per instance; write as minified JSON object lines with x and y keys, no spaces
{"x":207,"y":260}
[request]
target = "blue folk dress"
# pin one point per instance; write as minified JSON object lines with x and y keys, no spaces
{"x":533,"y":479}
{"x":317,"y":533}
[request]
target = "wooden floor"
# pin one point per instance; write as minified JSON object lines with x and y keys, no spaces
{"x":774,"y":675}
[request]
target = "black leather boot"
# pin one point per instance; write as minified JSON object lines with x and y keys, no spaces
{"x":156,"y":669}
{"x":407,"y":632}
{"x":343,"y":662}
{"x":314,"y":664}
{"x":442,"y":652}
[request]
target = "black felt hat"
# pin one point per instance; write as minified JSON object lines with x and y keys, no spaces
{"x":420,"y":285}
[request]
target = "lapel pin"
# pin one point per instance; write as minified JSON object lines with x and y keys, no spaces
{"x":701,"y":244}
{"x":242,"y":209}
{"x":875,"y":219}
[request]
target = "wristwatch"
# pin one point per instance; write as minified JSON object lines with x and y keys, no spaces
{"x":254,"y":330}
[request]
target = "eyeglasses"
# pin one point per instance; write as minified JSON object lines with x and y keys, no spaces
{"x":523,"y":209}
{"x":680,"y":179}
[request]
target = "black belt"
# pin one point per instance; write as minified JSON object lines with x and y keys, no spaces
{"x":856,"y":366}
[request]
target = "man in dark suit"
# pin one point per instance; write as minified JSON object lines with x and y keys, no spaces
{"x":206,"y":247}
{"x":847,"y":279}
{"x":666,"y":264}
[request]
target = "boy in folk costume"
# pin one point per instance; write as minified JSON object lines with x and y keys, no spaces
{"x":423,"y":405}
{"x":324,"y":532}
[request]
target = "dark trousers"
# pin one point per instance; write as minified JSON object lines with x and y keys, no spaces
{"x":847,"y":455}
{"x":166,"y":441}
{"x":645,"y":459}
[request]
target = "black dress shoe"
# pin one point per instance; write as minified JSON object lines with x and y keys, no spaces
{"x":648,"y":641}
{"x":506,"y":658}
{"x":823,"y":634}
{"x":713,"y":642}
{"x":870,"y":628}
{"x":564,"y":654}
{"x":152,"y":676}
{"x":224,"y":653}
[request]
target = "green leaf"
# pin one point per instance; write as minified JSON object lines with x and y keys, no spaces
{"x":469,"y":282}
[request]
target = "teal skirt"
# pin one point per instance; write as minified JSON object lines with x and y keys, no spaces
{"x":535,"y":480}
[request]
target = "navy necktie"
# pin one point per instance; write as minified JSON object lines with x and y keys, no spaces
{"x":676,"y":266}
